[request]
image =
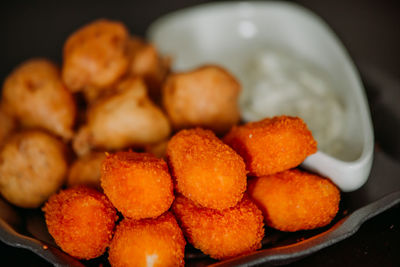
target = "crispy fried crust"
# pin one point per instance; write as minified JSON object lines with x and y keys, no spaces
{"x":295,"y":200}
{"x":81,"y":221}
{"x":138,"y":184}
{"x":221,"y":234}
{"x":272,"y":144}
{"x":206,"y":170}
{"x":148,"y":242}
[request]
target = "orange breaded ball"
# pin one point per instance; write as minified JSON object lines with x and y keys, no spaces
{"x":138,"y":184}
{"x":81,"y":220}
{"x":148,"y":242}
{"x":96,"y":55}
{"x":221,"y":234}
{"x":295,"y":200}
{"x":205,"y":169}
{"x":206,"y":97}
{"x":272,"y":144}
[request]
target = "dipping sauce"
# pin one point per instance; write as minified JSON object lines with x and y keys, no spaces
{"x":278,"y":83}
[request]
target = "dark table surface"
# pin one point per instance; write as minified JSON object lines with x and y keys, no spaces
{"x":368,"y":29}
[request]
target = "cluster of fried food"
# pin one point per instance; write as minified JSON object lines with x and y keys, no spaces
{"x":112,"y":92}
{"x":132,"y":189}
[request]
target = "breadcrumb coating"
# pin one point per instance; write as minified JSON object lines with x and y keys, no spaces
{"x":221,"y":234}
{"x":81,"y":220}
{"x":295,"y":200}
{"x":205,"y":169}
{"x":272,"y":145}
{"x":148,"y":242}
{"x":138,"y":184}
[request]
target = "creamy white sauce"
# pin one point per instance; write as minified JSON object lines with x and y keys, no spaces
{"x":277,"y":83}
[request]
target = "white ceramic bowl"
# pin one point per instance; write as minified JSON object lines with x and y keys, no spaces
{"x":227,"y":33}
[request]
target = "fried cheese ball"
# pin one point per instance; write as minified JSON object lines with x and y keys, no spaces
{"x":221,"y":234}
{"x":138,"y":184}
{"x":206,"y":97}
{"x":8,"y":124}
{"x":32,"y":167}
{"x":86,"y":170}
{"x":272,"y":144}
{"x":35,"y":95}
{"x":96,"y":55}
{"x":148,"y":242}
{"x":124,"y":119}
{"x":81,"y":220}
{"x":146,"y":62}
{"x":205,"y":169}
{"x":295,"y":200}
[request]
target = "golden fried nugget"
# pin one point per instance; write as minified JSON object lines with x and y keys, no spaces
{"x":221,"y":234}
{"x":138,"y":184}
{"x":81,"y":220}
{"x":32,"y":167}
{"x":206,"y":170}
{"x":295,"y":200}
{"x":36,"y":96}
{"x":148,"y":242}
{"x":272,"y":144}
{"x":206,"y":97}
{"x":95,"y":55}
{"x":124,"y":119}
{"x":86,"y":170}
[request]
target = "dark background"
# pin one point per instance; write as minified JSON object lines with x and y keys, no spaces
{"x":370,"y":30}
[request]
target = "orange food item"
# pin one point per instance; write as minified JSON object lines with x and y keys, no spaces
{"x":138,"y":184}
{"x":81,"y":221}
{"x":221,"y":234}
{"x":272,"y":144}
{"x":294,"y":200}
{"x":205,"y":169}
{"x":148,"y":242}
{"x":96,"y":55}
